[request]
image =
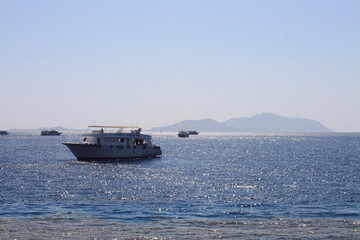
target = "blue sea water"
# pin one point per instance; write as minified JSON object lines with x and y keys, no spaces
{"x":230,"y":186}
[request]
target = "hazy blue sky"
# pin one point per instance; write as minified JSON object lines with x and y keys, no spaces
{"x":154,"y":63}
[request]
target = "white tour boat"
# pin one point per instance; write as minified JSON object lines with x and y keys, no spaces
{"x":105,"y":144}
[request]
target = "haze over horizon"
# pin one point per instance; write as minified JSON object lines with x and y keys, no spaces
{"x":155,"y":63}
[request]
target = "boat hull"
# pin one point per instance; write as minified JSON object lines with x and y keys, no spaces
{"x":94,"y":151}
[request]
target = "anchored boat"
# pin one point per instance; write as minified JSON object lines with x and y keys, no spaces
{"x":193,"y":133}
{"x":50,"y":133}
{"x":183,"y":134}
{"x":103,"y":143}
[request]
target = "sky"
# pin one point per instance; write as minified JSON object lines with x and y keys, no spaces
{"x":154,"y":63}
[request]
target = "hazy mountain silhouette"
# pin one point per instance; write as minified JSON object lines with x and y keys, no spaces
{"x":269,"y":122}
{"x":205,"y":125}
{"x":265,"y":122}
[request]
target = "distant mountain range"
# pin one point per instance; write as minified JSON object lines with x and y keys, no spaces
{"x":264,"y":122}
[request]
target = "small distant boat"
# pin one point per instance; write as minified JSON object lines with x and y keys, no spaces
{"x":50,"y":133}
{"x":183,"y":134}
{"x":100,"y":144}
{"x":193,"y":133}
{"x":4,"y":133}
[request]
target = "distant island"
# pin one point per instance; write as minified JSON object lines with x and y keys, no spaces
{"x":264,"y":122}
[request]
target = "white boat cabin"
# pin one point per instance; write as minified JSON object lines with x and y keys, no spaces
{"x":115,"y":136}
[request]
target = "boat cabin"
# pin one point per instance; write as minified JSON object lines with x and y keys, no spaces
{"x":107,"y":136}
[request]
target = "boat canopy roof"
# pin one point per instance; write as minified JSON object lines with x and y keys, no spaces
{"x":120,"y":128}
{"x":97,"y":126}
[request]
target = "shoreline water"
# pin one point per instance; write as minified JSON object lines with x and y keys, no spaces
{"x":70,"y":226}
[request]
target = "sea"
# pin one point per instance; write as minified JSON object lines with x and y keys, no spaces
{"x":209,"y":186}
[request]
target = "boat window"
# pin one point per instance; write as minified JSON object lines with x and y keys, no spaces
{"x":84,"y":139}
{"x":121,"y":140}
{"x":139,"y":141}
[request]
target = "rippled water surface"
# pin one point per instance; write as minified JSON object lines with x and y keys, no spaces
{"x":206,"y":186}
